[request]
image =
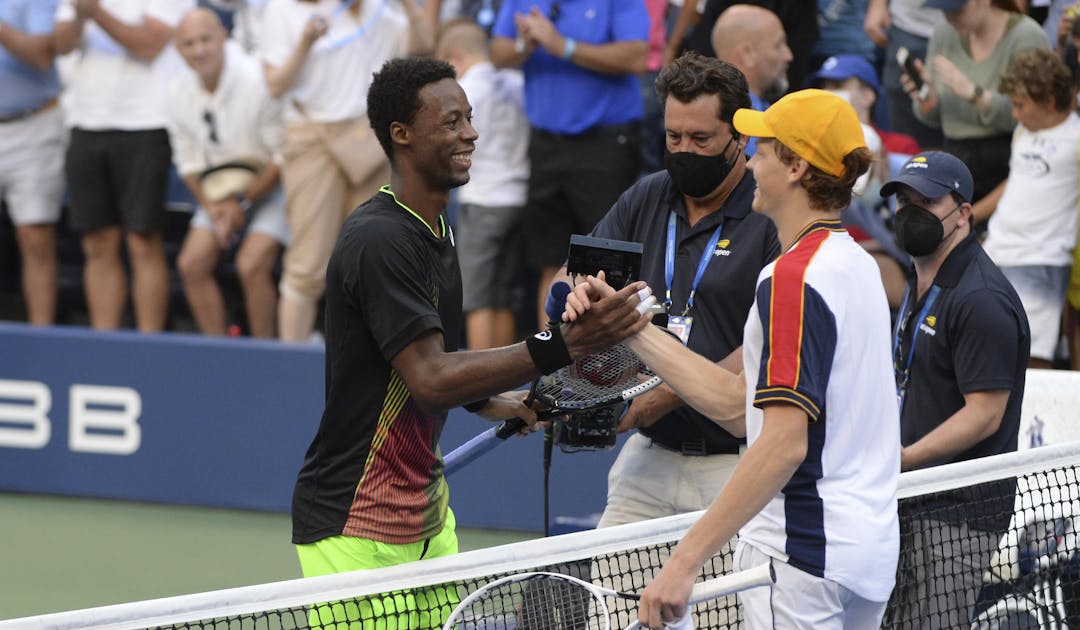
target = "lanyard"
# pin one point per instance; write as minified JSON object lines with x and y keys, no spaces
{"x":358,"y":33}
{"x":904,"y":377}
{"x":669,"y":262}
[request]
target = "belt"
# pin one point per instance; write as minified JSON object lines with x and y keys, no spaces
{"x":698,"y":448}
{"x":47,"y":105}
{"x":597,"y":130}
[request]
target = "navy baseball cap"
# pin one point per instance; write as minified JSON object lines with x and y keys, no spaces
{"x":945,"y":5}
{"x":933,"y":174}
{"x":843,"y":67}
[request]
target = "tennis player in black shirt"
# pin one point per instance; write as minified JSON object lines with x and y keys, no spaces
{"x":371,"y":492}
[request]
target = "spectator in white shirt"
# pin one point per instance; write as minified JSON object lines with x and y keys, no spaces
{"x":494,"y":198}
{"x":118,"y":159}
{"x":226,"y":137}
{"x":319,"y":56}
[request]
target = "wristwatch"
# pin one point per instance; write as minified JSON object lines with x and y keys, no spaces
{"x":977,"y":94}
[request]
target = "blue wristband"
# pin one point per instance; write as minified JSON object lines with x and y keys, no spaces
{"x":569,"y":48}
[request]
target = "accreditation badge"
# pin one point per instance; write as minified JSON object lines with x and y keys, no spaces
{"x":679,"y":326}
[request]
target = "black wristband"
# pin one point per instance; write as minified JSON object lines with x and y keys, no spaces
{"x":548,"y":350}
{"x":475,"y":406}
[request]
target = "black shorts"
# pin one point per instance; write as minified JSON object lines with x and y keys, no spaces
{"x":574,"y":181}
{"x":117,"y":178}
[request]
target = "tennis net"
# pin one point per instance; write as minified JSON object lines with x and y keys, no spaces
{"x":1031,"y":575}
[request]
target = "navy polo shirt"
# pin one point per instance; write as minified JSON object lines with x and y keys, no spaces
{"x":747,"y":243}
{"x":562,"y":97}
{"x":975,"y":337}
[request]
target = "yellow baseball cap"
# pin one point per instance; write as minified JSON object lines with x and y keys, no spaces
{"x":818,"y":126}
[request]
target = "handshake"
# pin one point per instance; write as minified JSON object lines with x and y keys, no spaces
{"x":595,"y":316}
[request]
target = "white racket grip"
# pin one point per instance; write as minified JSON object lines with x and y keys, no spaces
{"x":762,"y":575}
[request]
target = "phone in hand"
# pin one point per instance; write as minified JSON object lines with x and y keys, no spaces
{"x":907,"y":62}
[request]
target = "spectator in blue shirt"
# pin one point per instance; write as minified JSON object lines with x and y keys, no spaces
{"x":581,"y":59}
{"x":32,"y":142}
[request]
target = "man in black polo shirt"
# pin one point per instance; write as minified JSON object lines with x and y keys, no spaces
{"x":960,"y":351}
{"x":371,"y":492}
{"x":680,"y":459}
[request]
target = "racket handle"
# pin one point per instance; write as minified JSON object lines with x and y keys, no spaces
{"x":509,"y":427}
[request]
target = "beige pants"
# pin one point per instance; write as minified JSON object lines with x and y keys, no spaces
{"x":318,"y":196}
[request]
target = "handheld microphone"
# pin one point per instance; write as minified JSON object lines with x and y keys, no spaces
{"x":556,"y":303}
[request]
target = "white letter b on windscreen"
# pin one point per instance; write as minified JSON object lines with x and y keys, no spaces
{"x":24,"y":409}
{"x":104,"y":420}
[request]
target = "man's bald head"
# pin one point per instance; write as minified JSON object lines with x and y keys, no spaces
{"x":200,"y":39}
{"x":752,"y":39}
{"x":462,"y":44}
{"x":199,"y":18}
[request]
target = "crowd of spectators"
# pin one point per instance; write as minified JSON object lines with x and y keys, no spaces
{"x":266,"y":128}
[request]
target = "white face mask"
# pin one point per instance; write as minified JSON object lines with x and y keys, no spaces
{"x":844,"y":94}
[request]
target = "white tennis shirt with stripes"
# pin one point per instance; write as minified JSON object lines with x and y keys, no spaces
{"x":818,"y":337}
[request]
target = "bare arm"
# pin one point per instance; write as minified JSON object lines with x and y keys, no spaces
{"x":145,"y":41}
{"x":67,"y":35}
{"x":759,"y":476}
{"x":704,"y":385}
{"x":35,"y":50}
{"x":266,"y":180}
{"x":628,"y":57}
{"x":977,"y":420}
{"x":505,"y":55}
{"x":651,"y":406}
{"x":621,"y":57}
{"x":982,"y":209}
{"x":193,"y":184}
{"x":280,"y":78}
{"x":423,"y":23}
{"x":877,"y":22}
{"x":688,"y":16}
{"x":438,"y":380}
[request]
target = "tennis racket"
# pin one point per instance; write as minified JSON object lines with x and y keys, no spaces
{"x":553,"y":601}
{"x":594,"y":381}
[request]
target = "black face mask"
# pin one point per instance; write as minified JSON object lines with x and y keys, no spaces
{"x":697,"y":175}
{"x":918,"y":231}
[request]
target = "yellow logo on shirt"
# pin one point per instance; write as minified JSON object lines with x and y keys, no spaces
{"x":928,"y":325}
{"x":722,"y":247}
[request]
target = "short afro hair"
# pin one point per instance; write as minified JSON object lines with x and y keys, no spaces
{"x":394,"y":95}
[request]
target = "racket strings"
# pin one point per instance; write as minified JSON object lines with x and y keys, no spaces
{"x":536,"y":603}
{"x":593,"y":378}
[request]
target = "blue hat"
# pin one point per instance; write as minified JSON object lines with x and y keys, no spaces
{"x":843,"y":67}
{"x":945,"y":5}
{"x":933,"y":174}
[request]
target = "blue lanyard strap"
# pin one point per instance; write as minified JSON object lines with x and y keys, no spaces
{"x":902,"y":323}
{"x":703,"y":264}
{"x":358,"y":33}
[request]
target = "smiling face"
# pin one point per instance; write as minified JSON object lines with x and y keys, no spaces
{"x":200,"y":40}
{"x":770,"y":175}
{"x":443,"y":136}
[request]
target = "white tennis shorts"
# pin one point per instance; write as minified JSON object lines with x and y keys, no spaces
{"x":799,"y":600}
{"x":32,"y":167}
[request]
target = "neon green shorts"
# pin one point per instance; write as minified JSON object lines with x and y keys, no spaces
{"x":413,"y":609}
